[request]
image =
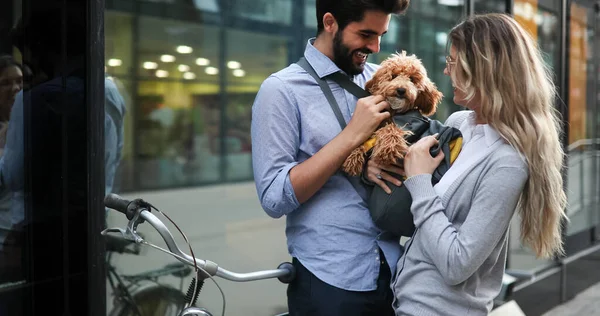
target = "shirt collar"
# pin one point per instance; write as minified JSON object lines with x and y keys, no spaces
{"x":491,"y":136}
{"x":489,"y":133}
{"x":322,"y":64}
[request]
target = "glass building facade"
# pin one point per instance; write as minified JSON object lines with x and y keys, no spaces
{"x":188,"y":71}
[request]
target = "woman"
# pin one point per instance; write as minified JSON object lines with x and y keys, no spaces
{"x":511,"y":159}
{"x":11,"y":82}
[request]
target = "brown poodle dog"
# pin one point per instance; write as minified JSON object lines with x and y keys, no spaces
{"x":403,"y":80}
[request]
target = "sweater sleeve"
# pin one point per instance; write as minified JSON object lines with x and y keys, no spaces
{"x":459,"y":252}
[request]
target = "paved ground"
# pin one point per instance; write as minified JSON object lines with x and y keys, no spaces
{"x":226,"y":224}
{"x":587,"y":303}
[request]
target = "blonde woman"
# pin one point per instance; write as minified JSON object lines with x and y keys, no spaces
{"x":511,"y":160}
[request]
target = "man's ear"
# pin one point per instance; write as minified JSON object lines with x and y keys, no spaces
{"x":330,"y":23}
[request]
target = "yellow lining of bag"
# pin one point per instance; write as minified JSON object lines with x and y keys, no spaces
{"x":455,"y":147}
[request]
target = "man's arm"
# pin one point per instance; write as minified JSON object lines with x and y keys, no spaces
{"x":282,"y":183}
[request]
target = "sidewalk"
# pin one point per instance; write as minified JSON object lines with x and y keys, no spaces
{"x":586,"y":303}
{"x":226,"y":224}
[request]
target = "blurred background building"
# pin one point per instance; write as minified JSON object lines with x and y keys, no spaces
{"x":188,"y":71}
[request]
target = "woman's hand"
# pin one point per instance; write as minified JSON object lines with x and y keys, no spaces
{"x":377,"y":173}
{"x":418,"y":160}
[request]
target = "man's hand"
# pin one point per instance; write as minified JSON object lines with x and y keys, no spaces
{"x":369,"y":113}
{"x":418,"y":160}
{"x":377,"y":173}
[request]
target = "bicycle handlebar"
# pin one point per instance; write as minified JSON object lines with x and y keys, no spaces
{"x":116,"y":203}
{"x":139,"y":212}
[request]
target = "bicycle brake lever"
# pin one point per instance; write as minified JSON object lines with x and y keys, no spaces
{"x":125,"y":234}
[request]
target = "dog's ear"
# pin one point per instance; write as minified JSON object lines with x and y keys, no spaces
{"x":371,"y":85}
{"x":429,"y":97}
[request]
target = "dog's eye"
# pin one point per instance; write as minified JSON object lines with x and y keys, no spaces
{"x":394,"y":76}
{"x":412,"y":79}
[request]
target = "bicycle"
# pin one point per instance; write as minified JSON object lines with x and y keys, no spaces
{"x":141,"y":294}
{"x":139,"y":211}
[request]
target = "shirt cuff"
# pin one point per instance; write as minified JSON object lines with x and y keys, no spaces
{"x":280,"y":198}
{"x":425,"y":201}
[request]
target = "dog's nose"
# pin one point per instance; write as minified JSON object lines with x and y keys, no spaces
{"x":401,"y":92}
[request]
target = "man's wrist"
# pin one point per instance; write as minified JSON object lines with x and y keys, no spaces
{"x":351,"y":139}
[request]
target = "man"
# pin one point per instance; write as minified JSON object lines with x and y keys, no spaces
{"x":344,"y":263}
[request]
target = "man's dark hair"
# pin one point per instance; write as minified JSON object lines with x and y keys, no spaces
{"x":348,"y":11}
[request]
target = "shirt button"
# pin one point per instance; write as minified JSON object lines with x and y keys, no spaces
{"x":376,"y":251}
{"x":377,"y":258}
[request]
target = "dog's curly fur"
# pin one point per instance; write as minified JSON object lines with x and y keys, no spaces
{"x":403,"y":81}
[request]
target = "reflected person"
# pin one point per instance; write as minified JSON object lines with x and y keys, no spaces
{"x":114,"y":119}
{"x":45,"y":154}
{"x":11,"y":82}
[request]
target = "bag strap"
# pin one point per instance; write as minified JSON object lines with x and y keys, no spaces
{"x":345,"y":82}
{"x":326,"y":90}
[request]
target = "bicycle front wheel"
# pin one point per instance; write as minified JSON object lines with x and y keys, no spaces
{"x":153,"y":301}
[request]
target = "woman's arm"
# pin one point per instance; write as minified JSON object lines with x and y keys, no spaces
{"x":459,"y":252}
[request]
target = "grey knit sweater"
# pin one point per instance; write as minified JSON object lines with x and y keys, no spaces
{"x":455,"y":261}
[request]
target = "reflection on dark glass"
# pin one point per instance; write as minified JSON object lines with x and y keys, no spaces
{"x":43,"y":163}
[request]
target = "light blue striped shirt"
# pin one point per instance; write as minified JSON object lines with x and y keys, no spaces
{"x":332,"y":233}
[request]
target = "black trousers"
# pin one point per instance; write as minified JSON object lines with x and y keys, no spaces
{"x":309,"y":296}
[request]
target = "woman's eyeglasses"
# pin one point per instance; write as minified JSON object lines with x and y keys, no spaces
{"x":449,"y":62}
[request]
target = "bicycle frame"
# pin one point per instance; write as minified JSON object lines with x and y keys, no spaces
{"x":210,"y":267}
{"x":138,"y":212}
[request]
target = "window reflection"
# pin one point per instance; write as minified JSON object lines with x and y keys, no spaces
{"x":542,"y":24}
{"x":582,"y":176}
{"x":273,"y":11}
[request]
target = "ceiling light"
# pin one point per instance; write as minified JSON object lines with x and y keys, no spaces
{"x":451,"y":3}
{"x":182,"y":49}
{"x":189,"y":76}
{"x":202,"y":62}
{"x":441,"y":38}
{"x":150,"y":65}
{"x":167,"y":58}
{"x":162,"y":73}
{"x":239,"y":73}
{"x":211,"y":70}
{"x":233,"y":65}
{"x":183,"y":68}
{"x":114,"y":62}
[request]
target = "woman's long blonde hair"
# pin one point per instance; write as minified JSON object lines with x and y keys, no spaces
{"x":498,"y":61}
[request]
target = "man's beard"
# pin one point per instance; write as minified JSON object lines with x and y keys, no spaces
{"x":344,"y":58}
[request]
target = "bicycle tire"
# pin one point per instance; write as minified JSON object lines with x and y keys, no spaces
{"x":153,"y":301}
